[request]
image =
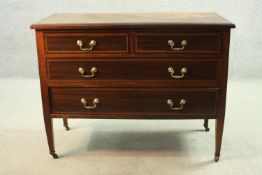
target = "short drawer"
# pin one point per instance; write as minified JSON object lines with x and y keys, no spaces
{"x":106,"y":69}
{"x":178,"y":42}
{"x":106,"y":100}
{"x":86,"y":43}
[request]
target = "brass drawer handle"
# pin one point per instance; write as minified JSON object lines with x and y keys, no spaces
{"x":172,"y":71}
{"x":82,"y":72}
{"x":95,"y":102}
{"x":92,"y":44}
{"x":171,"y":104}
{"x":172,"y":44}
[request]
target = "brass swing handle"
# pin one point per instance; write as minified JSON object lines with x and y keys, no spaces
{"x":92,"y":44}
{"x":172,"y":71}
{"x":172,"y":45}
{"x":171,"y":104}
{"x":82,"y":72}
{"x":95,"y":102}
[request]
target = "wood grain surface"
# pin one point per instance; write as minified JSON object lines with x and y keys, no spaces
{"x":124,"y":70}
{"x":129,"y":20}
{"x":117,"y":100}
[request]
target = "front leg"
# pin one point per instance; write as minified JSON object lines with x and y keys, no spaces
{"x":219,"y":133}
{"x":50,"y":135}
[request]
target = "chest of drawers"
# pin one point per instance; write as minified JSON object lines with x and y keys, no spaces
{"x":133,"y":66}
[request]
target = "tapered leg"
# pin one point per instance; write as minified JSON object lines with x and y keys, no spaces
{"x":219,"y":134}
{"x":50,"y":136}
{"x":66,"y":124}
{"x":206,"y":124}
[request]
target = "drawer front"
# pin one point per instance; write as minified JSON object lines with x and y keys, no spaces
{"x":83,"y":70}
{"x":86,"y":43}
{"x":103,"y":100}
{"x":178,"y":43}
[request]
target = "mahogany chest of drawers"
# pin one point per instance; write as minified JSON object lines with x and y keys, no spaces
{"x":133,"y":66}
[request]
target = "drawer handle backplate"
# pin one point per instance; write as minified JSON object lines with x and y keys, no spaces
{"x":172,"y":71}
{"x":172,"y":45}
{"x":92,"y":44}
{"x":95,"y":102}
{"x":171,"y":104}
{"x":82,"y":72}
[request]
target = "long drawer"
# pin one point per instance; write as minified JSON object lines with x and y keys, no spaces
{"x":125,"y":100}
{"x":105,"y":69}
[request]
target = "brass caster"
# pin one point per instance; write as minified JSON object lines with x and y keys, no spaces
{"x":207,"y":129}
{"x":216,"y":158}
{"x":67,"y":128}
{"x":55,"y":156}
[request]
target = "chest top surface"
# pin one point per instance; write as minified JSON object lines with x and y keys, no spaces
{"x":83,"y":20}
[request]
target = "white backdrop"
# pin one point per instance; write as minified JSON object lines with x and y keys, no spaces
{"x":18,"y":57}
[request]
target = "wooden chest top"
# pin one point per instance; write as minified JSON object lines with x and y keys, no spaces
{"x":131,"y":20}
